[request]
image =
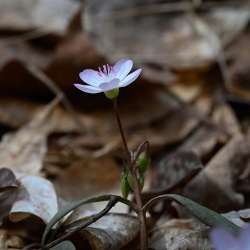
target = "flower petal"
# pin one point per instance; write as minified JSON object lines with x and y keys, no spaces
{"x":113,"y":84}
{"x":223,"y":240}
{"x":88,"y":89}
{"x":122,"y":68}
{"x":130,"y":78}
{"x":91,"y":77}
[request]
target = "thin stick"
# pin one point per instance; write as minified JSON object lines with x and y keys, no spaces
{"x":155,"y":9}
{"x":57,"y":91}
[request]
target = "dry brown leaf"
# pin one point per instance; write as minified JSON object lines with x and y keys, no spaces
{"x":174,"y":168}
{"x":111,"y":232}
{"x":179,"y":234}
{"x":16,"y":112}
{"x":10,"y":242}
{"x":7,"y":180}
{"x":36,"y":196}
{"x":88,"y":177}
{"x":203,"y":141}
{"x":23,"y":151}
{"x":226,"y":120}
{"x":180,"y":40}
{"x":218,"y":179}
{"x":53,"y":16}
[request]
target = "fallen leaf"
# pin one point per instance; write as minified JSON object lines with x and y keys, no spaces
{"x":180,"y":234}
{"x":10,"y":242}
{"x":113,"y":231}
{"x":64,"y":245}
{"x":26,"y":15}
{"x":36,"y":196}
{"x":7,"y":180}
{"x":174,"y":168}
{"x":180,"y":40}
{"x":23,"y":151}
{"x":88,"y":177}
{"x":217,"y":180}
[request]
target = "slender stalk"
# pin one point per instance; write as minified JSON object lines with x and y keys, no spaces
{"x":118,"y":119}
{"x":141,"y":215}
{"x":136,"y":189}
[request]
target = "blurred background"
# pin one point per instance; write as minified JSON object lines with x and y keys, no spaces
{"x":191,"y":102}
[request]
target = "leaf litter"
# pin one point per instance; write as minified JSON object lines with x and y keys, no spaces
{"x":197,"y":124}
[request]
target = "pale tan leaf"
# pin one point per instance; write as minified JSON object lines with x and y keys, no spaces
{"x":36,"y":196}
{"x":23,"y":151}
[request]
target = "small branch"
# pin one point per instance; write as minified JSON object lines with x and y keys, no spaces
{"x":57,"y":91}
{"x":155,"y":9}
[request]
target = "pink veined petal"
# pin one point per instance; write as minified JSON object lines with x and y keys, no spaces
{"x":91,"y":77}
{"x":122,"y":68}
{"x":130,"y":78}
{"x":223,"y":240}
{"x":88,"y":89}
{"x":113,"y":84}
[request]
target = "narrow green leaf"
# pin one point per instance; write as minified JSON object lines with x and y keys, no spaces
{"x":124,"y":185}
{"x":64,"y":245}
{"x":67,"y":209}
{"x":205,"y":215}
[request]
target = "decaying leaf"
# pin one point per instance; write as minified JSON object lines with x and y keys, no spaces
{"x":7,"y":180}
{"x":88,"y":177}
{"x":64,"y":245}
{"x":26,"y":15}
{"x":217,"y":180}
{"x":112,"y":232}
{"x":10,"y":242}
{"x":174,"y":168}
{"x":180,"y":40}
{"x":180,"y":234}
{"x":23,"y":151}
{"x":36,"y":196}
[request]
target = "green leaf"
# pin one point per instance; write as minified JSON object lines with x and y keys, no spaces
{"x":125,"y":188}
{"x":67,"y":209}
{"x":64,"y":245}
{"x":205,"y":215}
{"x":141,"y":182}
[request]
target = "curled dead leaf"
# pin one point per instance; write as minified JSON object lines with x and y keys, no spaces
{"x":36,"y":196}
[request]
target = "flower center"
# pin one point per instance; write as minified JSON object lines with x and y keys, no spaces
{"x":105,"y":70}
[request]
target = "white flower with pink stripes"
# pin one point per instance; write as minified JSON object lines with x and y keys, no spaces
{"x":108,"y":79}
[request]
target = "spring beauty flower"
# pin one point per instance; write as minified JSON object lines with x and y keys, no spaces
{"x":108,"y":79}
{"x":223,"y":240}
